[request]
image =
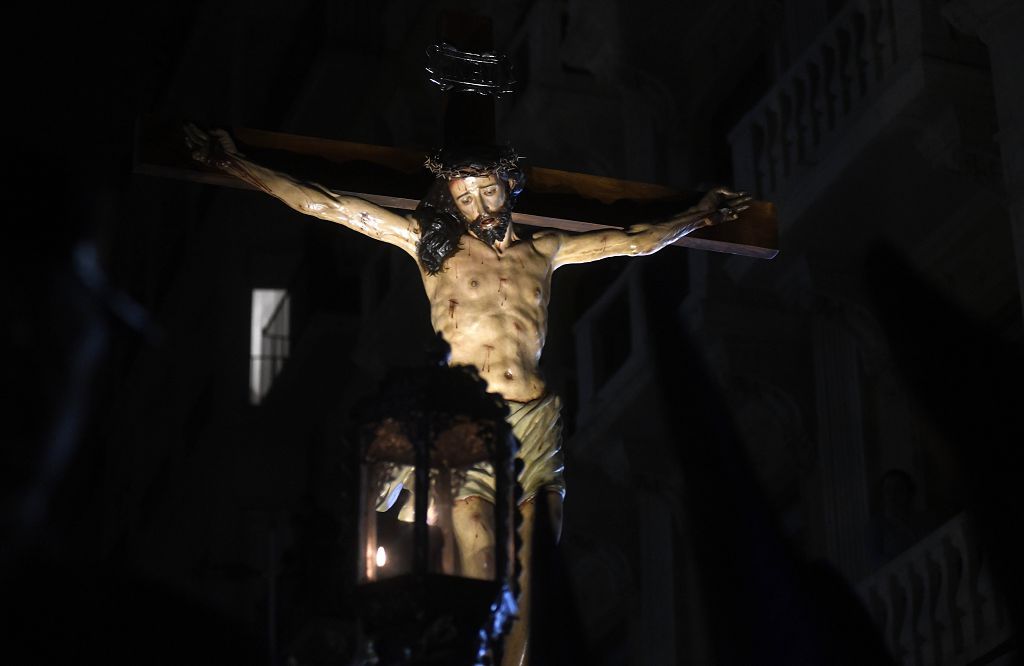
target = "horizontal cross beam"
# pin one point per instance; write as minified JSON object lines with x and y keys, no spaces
{"x":395,"y":178}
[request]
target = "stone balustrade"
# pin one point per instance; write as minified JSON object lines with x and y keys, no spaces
{"x":936,"y":603}
{"x":858,"y":54}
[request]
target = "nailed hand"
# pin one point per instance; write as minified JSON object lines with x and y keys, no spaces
{"x":213,"y":148}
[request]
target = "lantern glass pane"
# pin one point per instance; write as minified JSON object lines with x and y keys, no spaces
{"x":388,"y":529}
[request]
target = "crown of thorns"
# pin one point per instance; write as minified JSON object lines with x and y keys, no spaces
{"x":443,"y":165}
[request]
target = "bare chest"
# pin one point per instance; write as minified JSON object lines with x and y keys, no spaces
{"x":482,"y":280}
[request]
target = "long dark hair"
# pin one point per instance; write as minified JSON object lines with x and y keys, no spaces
{"x":441,"y":228}
{"x":441,"y":224}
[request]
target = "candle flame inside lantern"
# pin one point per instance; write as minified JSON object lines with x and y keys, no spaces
{"x":382,"y":556}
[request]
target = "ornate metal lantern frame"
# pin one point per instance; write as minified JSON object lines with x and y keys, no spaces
{"x":424,"y":431}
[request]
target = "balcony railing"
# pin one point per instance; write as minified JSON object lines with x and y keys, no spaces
{"x":936,"y":603}
{"x":859,"y":53}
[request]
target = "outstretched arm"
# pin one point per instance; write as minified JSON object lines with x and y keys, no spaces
{"x":718,"y":205}
{"x":216,"y":149}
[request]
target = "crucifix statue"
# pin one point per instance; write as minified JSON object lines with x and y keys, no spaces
{"x":488,"y":289}
{"x":488,"y":285}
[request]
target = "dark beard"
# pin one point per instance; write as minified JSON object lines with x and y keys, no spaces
{"x":495,"y":234}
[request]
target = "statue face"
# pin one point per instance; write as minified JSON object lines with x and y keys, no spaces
{"x":479,"y":196}
{"x":484,"y":204}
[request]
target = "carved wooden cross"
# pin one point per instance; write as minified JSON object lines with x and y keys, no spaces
{"x":395,"y":177}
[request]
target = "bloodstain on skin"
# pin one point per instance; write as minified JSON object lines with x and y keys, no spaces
{"x":502,"y":283}
{"x":487,"y":357}
{"x":452,"y":304}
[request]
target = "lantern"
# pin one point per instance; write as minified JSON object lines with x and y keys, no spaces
{"x":425,"y":439}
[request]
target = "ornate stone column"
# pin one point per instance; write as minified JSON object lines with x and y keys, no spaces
{"x":1000,"y":24}
{"x":840,"y":460}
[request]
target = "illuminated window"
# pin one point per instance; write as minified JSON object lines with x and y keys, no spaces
{"x":269,"y":340}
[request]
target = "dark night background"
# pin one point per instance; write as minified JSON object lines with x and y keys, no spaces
{"x":763,"y":457}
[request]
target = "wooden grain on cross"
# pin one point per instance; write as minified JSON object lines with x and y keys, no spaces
{"x":395,"y":178}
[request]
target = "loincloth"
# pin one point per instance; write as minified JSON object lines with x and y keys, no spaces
{"x":538,"y":427}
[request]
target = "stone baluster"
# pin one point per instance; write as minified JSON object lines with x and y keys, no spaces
{"x":771,"y":142}
{"x":922,"y":618}
{"x":874,"y":12}
{"x":900,"y":641}
{"x":816,"y":102}
{"x":800,"y":120}
{"x":989,"y":613}
{"x":861,"y":52}
{"x":784,"y":104}
{"x":888,"y":33}
{"x":965,"y":597}
{"x":830,"y":89}
{"x":759,"y":140}
{"x":843,"y":43}
{"x":972,"y":574}
{"x":952,"y":550}
{"x":937,"y":616}
{"x":986,"y":610}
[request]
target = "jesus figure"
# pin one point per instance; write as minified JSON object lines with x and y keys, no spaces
{"x":488,"y":290}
